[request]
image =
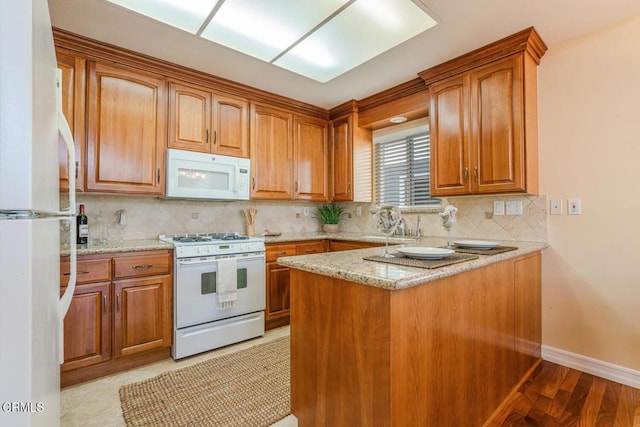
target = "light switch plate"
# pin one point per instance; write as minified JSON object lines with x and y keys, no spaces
{"x":498,"y":207}
{"x":514,"y":207}
{"x":556,"y":207}
{"x":574,"y":206}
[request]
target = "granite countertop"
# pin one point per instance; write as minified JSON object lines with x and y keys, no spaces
{"x":315,"y":235}
{"x":115,"y":246}
{"x":350,"y":265}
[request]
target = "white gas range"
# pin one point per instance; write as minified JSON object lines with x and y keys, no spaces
{"x":201,"y":322}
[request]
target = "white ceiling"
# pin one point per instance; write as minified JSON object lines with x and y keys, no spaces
{"x":463,"y":25}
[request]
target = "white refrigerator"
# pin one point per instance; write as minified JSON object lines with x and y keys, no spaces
{"x":31,"y":126}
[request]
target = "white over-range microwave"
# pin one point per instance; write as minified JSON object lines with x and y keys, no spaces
{"x":192,"y":175}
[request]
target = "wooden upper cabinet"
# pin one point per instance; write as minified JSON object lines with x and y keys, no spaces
{"x":126,"y":133}
{"x":73,"y":107}
{"x":310,"y":154}
{"x":271,"y":153}
{"x":230,"y":126}
{"x":450,"y":131}
{"x":477,"y":131}
{"x":351,"y":161}
{"x":484,"y":118}
{"x":189,"y":118}
{"x":200,"y":120}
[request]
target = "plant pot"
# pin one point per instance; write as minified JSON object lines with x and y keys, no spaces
{"x":330,"y":228}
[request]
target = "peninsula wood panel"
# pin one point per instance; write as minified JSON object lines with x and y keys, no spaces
{"x":126,"y":133}
{"x":310,"y":159}
{"x":443,"y":353}
{"x":528,"y":310}
{"x":271,"y":153}
{"x":73,"y":107}
{"x":340,"y":355}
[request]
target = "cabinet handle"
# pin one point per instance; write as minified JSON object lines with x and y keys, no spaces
{"x":281,"y":253}
{"x":158,"y":175}
{"x":135,"y":267}
{"x":253,"y":182}
{"x":104,"y":304}
{"x":118,"y":301}
{"x":475,"y":174}
{"x":215,"y":137}
{"x":310,"y":250}
{"x":77,"y":168}
{"x":466,"y":175}
{"x":348,"y":187}
{"x":206,"y":136}
{"x":296,"y":186}
{"x":79,"y":272}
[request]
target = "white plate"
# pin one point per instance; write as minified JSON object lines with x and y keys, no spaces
{"x":476,"y":244}
{"x":425,"y":252}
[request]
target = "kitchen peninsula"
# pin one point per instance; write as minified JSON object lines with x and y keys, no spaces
{"x":386,"y":345}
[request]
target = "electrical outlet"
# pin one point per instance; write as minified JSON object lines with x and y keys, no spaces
{"x":514,"y":207}
{"x":298,"y":215}
{"x":498,"y":207}
{"x":305,"y":211}
{"x":574,"y":206}
{"x":359,"y":210}
{"x":556,"y":207}
{"x":195,"y":215}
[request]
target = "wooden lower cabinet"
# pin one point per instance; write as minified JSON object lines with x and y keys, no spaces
{"x":142,"y":315}
{"x":278,"y":282}
{"x":119,"y":317}
{"x":87,"y":326}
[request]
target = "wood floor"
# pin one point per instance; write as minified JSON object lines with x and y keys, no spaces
{"x":559,"y":396}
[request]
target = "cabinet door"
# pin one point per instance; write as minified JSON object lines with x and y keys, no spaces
{"x":278,"y":304}
{"x":87,"y":330}
{"x":126,"y":132}
{"x":271,"y":153}
{"x":450,"y":172}
{"x":497,"y":138}
{"x":189,"y":118}
{"x":310,"y":151}
{"x":142,"y":317}
{"x":73,"y":107}
{"x":342,"y":163}
{"x":230,"y":126}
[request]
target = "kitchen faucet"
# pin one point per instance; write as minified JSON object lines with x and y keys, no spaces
{"x":401,"y":227}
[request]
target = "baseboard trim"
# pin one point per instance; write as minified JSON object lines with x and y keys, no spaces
{"x":596,"y":367}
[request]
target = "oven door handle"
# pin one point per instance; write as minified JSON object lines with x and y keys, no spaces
{"x":240,"y":259}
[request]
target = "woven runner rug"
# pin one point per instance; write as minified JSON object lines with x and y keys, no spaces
{"x":247,"y":388}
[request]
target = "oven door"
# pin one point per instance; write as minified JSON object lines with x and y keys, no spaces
{"x":195,"y":289}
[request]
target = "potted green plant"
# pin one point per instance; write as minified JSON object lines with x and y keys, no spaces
{"x":330,"y":214}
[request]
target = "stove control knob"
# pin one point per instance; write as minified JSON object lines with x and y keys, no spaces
{"x":206,"y":249}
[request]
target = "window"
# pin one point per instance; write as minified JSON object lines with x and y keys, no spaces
{"x":401,"y":167}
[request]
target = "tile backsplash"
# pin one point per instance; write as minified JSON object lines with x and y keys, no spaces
{"x":148,"y":217}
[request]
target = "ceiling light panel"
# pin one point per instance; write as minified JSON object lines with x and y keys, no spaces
{"x":266,"y":28}
{"x":362,"y":31}
{"x":188,"y":15}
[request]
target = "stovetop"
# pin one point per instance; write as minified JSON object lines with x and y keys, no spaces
{"x":189,"y":245}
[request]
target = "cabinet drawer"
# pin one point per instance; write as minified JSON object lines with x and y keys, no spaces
{"x":274,"y":252}
{"x":141,"y":265}
{"x":313,"y":247}
{"x":90,"y":270}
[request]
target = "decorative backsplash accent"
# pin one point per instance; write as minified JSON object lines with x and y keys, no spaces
{"x":148,"y":217}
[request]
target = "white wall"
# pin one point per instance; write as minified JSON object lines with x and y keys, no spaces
{"x":589,"y":117}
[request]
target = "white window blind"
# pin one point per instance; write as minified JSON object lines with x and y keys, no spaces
{"x":401,"y":171}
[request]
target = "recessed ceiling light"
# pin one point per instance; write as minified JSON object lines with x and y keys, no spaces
{"x":317,"y":39}
{"x":398,"y":119}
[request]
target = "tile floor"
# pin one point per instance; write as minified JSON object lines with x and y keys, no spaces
{"x":97,"y":403}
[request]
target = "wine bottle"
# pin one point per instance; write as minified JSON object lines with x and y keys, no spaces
{"x":82,"y":224}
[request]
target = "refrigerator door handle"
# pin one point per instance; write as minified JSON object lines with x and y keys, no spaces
{"x":65,"y":300}
{"x":65,"y":132}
